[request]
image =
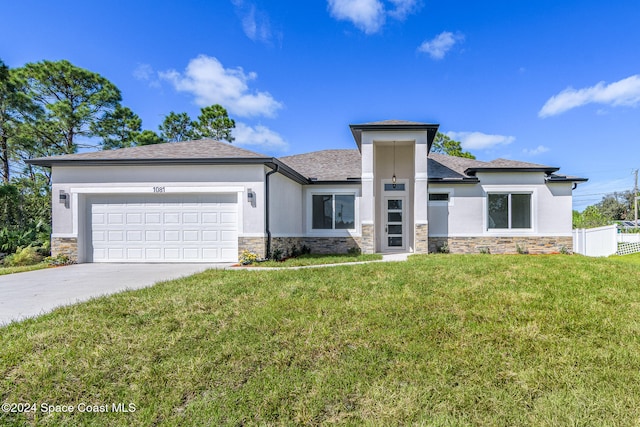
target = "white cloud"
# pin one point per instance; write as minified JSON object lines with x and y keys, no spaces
{"x":403,"y":8}
{"x":145,"y":72}
{"x":258,"y":137}
{"x":255,"y":23}
{"x":211,"y":83}
{"x":438,"y":47}
{"x":370,"y":15}
{"x":535,"y":151}
{"x":479,"y":140}
{"x":367,"y":15}
{"x":623,"y":92}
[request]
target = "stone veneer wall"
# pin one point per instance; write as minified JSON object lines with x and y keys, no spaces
{"x":422,"y":239}
{"x":502,"y":245}
{"x":257,"y":245}
{"x":65,"y":246}
{"x":318,"y":245}
{"x":368,"y":239}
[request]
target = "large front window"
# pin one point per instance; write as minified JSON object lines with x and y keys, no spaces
{"x":509,"y":210}
{"x":333,"y":211}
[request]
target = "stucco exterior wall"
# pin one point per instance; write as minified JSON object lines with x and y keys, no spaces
{"x":465,"y":215}
{"x":285,"y":197}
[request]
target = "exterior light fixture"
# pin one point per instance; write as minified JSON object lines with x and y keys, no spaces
{"x":393,"y":178}
{"x":64,"y":198}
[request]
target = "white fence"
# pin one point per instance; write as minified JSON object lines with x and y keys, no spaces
{"x":604,"y":241}
{"x":601,"y":241}
{"x":628,"y":237}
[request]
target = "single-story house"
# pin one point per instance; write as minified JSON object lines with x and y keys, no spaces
{"x":207,"y":201}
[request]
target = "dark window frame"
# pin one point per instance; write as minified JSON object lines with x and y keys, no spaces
{"x":511,"y":216}
{"x":318,"y":224}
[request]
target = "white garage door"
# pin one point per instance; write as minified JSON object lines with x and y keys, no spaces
{"x":164,"y":228}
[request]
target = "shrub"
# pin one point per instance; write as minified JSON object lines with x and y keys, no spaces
{"x":354,"y":251}
{"x":444,"y":248}
{"x":277,"y":254}
{"x":484,"y":250}
{"x":25,"y":256}
{"x":248,"y":257}
{"x":522,"y":250}
{"x":58,"y":260}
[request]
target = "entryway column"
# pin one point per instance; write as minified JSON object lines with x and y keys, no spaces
{"x":367,"y":201}
{"x":420,"y":197}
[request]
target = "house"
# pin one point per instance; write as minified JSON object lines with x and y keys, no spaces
{"x":207,"y":201}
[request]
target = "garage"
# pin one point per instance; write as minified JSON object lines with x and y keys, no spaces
{"x":163,"y":228}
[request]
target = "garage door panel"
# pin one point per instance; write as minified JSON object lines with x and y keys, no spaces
{"x":115,"y":218}
{"x":97,"y":218}
{"x":228,"y":236}
{"x":174,"y":228}
{"x":152,"y":218}
{"x":172,"y":235}
{"x":171,"y":218}
{"x":134,"y":218}
{"x":172,"y":254}
{"x":190,"y":218}
{"x":134,"y":236}
{"x":115,"y":236}
{"x":209,"y":218}
{"x":210,"y":236}
{"x":135,"y":254}
{"x":153,"y":254}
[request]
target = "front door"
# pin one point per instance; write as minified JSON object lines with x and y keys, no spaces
{"x":394,"y":237}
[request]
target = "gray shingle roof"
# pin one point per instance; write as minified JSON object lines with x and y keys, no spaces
{"x":327,"y":165}
{"x":200,"y":149}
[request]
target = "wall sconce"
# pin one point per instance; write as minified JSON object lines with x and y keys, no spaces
{"x":251,"y":197}
{"x":64,"y":198}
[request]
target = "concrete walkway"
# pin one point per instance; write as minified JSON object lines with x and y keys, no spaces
{"x":37,"y":292}
{"x":385,"y":258}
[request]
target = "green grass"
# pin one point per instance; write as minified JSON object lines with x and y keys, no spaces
{"x":11,"y":270}
{"x":439,"y":340}
{"x":317,"y":259}
{"x":630,"y":259}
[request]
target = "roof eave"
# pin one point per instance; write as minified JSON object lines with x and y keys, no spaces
{"x":565,"y":179}
{"x":432,"y":130}
{"x":473,"y":171}
{"x":335,"y":182}
{"x":473,"y":180}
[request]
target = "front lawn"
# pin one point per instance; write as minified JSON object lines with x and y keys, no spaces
{"x":11,"y":270}
{"x":438,"y":340}
{"x":630,"y":259}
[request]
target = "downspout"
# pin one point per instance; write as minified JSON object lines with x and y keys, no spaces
{"x":266,"y":208}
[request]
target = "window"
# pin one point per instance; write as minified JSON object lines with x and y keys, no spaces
{"x":509,"y":211}
{"x":438,"y":197}
{"x":333,"y":211}
{"x":392,"y":187}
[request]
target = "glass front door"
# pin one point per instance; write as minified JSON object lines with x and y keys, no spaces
{"x":394,"y":236}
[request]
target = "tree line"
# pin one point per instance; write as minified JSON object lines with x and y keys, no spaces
{"x":616,"y":206}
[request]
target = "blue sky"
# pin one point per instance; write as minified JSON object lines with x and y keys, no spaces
{"x":548,"y":82}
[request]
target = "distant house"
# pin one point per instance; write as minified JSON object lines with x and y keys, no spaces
{"x":207,"y":201}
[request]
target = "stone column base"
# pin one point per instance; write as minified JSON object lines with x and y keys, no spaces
{"x":65,"y":246}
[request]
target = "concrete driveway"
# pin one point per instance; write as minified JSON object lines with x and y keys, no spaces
{"x":37,"y":292}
